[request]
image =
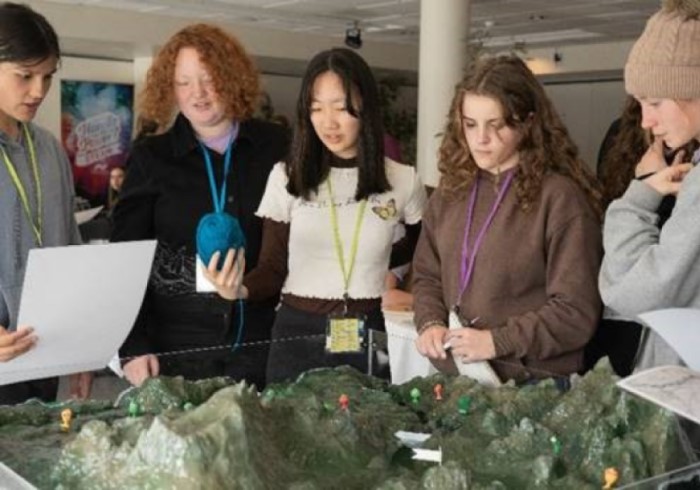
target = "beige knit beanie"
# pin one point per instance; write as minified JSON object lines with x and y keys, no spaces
{"x":665,"y":60}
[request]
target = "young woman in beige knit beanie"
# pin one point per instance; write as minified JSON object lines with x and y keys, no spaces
{"x":644,"y":268}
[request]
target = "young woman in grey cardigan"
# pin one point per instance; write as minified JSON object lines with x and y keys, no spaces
{"x":644,"y":268}
{"x":36,"y":187}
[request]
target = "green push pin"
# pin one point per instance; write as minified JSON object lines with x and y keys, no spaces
{"x":415,"y":395}
{"x":133,"y":408}
{"x":556,"y":445}
{"x":188,"y":406}
{"x":463,"y":404}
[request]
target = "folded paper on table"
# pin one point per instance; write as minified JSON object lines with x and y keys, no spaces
{"x":82,"y":301}
{"x":405,"y":361}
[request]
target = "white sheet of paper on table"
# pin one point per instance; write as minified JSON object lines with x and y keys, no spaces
{"x":87,"y":214}
{"x":680,"y":328}
{"x":411,"y":439}
{"x":675,"y":388}
{"x":82,"y":301}
{"x":430,"y":455}
{"x":12,"y":481}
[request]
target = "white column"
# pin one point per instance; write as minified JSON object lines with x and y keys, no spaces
{"x":444,"y":27}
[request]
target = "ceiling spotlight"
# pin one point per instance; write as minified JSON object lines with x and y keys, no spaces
{"x":353,"y":36}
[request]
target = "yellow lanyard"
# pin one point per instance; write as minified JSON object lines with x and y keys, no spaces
{"x":347,"y":272}
{"x":36,"y":226}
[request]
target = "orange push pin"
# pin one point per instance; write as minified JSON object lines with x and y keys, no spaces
{"x":344,"y":401}
{"x":66,"y":418}
{"x":610,"y":476}
{"x":437,"y":389}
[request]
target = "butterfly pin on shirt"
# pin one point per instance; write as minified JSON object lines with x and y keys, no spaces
{"x":386,"y":212}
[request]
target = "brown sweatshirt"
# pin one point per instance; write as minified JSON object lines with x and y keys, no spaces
{"x":535,"y":278}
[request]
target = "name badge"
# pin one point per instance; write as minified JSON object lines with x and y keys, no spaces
{"x":344,"y":334}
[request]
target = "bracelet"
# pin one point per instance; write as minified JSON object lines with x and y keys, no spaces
{"x":430,"y":324}
{"x":645,"y":176}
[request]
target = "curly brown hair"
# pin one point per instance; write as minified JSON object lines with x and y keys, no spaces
{"x":545,"y":145}
{"x":623,"y":148}
{"x":233,"y":72}
{"x":621,"y":151}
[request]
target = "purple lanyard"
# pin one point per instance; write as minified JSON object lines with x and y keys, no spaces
{"x":469,"y":256}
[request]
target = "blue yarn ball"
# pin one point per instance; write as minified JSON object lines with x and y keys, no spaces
{"x":218,"y":232}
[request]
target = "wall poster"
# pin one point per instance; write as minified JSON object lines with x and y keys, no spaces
{"x":96,"y":125}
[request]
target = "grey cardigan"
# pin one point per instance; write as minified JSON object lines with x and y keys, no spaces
{"x":16,"y":235}
{"x":645,"y":268}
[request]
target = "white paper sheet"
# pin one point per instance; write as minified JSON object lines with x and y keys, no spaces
{"x":680,"y":328}
{"x":87,"y":214}
{"x":405,"y":361}
{"x":82,"y":302}
{"x":411,"y":439}
{"x":9,"y":480}
{"x":430,"y":455}
{"x":676,"y":388}
{"x":203,"y":284}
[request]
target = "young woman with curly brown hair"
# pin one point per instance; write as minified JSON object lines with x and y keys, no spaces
{"x":511,"y":238}
{"x":203,"y":78}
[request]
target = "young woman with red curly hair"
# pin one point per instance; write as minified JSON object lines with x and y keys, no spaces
{"x":204,"y":80}
{"x":511,"y":240}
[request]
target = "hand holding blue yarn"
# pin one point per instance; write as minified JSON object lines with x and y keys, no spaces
{"x":218,"y":232}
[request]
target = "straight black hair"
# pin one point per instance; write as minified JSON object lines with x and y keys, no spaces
{"x":309,"y":162}
{"x":25,"y":35}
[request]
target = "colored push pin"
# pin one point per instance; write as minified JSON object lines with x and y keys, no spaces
{"x":556,"y":445}
{"x":66,"y":418}
{"x":463,"y":404}
{"x":133,"y":408}
{"x":610,"y":476}
{"x":344,"y":401}
{"x":437,"y":390}
{"x":415,"y":395}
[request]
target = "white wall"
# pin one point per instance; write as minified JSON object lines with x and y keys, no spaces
{"x":587,"y":108}
{"x":283,"y":91}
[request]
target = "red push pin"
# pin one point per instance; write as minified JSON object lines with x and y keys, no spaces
{"x":344,"y":401}
{"x":437,"y":389}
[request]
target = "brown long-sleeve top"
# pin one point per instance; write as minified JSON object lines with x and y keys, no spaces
{"x":534,"y":283}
